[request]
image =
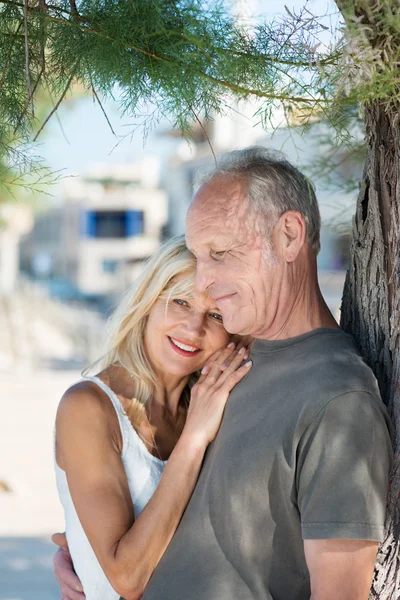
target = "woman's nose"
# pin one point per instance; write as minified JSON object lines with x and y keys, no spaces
{"x":195,"y":324}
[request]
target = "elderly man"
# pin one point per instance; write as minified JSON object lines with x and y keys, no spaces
{"x":290,"y":502}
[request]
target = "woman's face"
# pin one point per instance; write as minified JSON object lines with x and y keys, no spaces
{"x":182,"y":334}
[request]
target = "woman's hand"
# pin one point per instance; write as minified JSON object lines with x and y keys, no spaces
{"x":209,"y":395}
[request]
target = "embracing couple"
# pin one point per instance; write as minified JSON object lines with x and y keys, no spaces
{"x":172,"y":490}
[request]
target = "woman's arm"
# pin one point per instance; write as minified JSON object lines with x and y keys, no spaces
{"x":128,"y":550}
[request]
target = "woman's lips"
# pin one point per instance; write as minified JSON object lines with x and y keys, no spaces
{"x":181,"y":351}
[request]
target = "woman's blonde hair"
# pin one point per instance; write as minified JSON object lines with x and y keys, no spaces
{"x":126,"y":327}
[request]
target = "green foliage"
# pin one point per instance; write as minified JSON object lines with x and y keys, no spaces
{"x":188,"y":59}
{"x":177,"y":55}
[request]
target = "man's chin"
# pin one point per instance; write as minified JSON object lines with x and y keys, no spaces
{"x":233,"y":326}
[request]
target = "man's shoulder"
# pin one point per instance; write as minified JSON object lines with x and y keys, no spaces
{"x":337,"y":367}
{"x":338,"y":375}
{"x":302,"y":377}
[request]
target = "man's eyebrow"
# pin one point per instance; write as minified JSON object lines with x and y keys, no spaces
{"x":227,"y":245}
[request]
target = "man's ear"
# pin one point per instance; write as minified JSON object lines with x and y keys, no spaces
{"x":292,"y":233}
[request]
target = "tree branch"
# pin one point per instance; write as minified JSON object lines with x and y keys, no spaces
{"x":102,"y":108}
{"x":30,"y":98}
{"x":42,"y":7}
{"x":55,"y":107}
{"x":205,"y":133}
{"x":271,"y":60}
{"x":27,"y":67}
{"x":74,"y":10}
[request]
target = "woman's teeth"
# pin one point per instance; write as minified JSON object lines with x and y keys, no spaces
{"x":183,"y":346}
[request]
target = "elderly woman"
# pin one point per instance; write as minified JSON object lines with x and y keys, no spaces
{"x":130,"y":440}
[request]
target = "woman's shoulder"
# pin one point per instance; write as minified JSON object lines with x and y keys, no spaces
{"x":84,"y":399}
{"x":86,"y":420}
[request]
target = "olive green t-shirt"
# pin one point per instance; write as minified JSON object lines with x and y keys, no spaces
{"x":303,"y":452}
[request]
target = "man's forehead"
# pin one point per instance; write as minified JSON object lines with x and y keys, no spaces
{"x":222,"y":201}
{"x":208,"y":228}
{"x":221,"y":193}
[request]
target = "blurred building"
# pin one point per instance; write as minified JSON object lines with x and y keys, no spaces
{"x":15,"y":221}
{"x":109,"y":222}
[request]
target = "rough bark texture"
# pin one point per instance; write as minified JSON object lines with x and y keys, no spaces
{"x":371,"y":303}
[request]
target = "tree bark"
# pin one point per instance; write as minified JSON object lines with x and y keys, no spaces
{"x":371,"y":303}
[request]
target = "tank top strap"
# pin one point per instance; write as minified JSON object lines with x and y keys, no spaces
{"x":123,"y":419}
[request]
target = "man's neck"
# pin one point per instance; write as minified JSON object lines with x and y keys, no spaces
{"x":304,"y":310}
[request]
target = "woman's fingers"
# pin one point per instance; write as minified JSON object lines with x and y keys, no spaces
{"x":240,"y":352}
{"x":233,"y":364}
{"x":214,"y":362}
{"x":232,"y":375}
{"x":210,"y":393}
{"x":226,"y":363}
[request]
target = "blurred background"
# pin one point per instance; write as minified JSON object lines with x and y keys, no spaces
{"x":68,"y":253}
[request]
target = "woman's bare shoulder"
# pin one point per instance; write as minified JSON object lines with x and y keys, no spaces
{"x":83,"y":400}
{"x":85,"y":423}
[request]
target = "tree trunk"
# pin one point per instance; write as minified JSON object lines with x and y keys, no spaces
{"x":371,"y":303}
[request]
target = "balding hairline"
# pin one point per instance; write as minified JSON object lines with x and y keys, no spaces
{"x":273,"y":187}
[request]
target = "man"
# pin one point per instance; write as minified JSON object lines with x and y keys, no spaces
{"x":290,"y":502}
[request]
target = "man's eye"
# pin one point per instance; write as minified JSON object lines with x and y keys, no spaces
{"x":216,"y":255}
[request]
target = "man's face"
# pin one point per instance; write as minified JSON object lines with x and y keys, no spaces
{"x":228,"y":244}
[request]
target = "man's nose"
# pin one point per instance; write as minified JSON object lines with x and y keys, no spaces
{"x":204,"y":276}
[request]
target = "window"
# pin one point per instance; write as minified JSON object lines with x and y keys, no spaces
{"x":115,"y":224}
{"x":134,"y":222}
{"x":110,"y":266}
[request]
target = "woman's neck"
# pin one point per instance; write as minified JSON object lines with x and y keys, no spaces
{"x":166,"y":397}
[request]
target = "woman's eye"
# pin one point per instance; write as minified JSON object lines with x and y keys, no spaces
{"x":216,"y":316}
{"x":181,"y":302}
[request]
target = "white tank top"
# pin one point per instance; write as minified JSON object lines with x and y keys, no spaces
{"x":143,"y":471}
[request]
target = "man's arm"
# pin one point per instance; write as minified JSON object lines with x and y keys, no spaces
{"x":340,"y":568}
{"x":70,"y":585}
{"x":343,"y":467}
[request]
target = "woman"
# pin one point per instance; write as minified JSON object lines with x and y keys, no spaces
{"x":116,"y":431}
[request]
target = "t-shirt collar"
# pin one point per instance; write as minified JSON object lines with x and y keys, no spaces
{"x":260,"y":345}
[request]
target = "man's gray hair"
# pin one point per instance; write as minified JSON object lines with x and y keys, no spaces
{"x":274,"y":186}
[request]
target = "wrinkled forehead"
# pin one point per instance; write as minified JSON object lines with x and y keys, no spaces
{"x":219,"y":206}
{"x":222,"y":195}
{"x":221,"y":221}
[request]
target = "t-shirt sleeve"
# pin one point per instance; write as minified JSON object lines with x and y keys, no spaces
{"x":344,"y":459}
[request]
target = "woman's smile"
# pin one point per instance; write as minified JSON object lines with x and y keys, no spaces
{"x":184,"y":348}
